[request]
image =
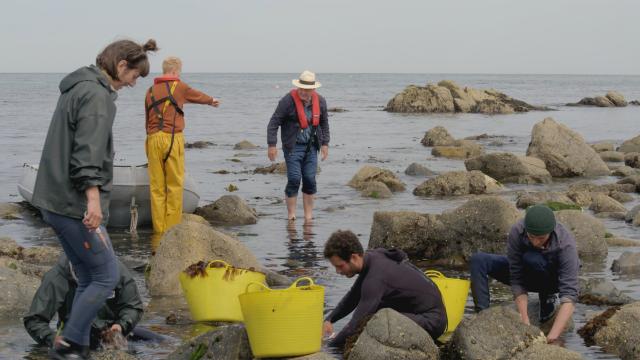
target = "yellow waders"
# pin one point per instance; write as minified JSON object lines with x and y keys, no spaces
{"x":166,"y":172}
{"x":166,"y":179}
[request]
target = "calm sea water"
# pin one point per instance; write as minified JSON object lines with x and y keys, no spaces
{"x":363,"y":135}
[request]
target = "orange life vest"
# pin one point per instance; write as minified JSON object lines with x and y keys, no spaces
{"x":302,"y":116}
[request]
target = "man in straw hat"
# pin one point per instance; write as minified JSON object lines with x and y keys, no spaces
{"x":386,"y":279}
{"x":302,"y":116}
{"x":541,"y":257}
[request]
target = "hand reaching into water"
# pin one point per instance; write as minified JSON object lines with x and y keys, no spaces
{"x":327,"y":329}
{"x":112,"y":338}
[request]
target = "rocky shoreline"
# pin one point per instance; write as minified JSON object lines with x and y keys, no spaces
{"x":555,"y":153}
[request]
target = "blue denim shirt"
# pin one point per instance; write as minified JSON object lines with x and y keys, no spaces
{"x":305,"y":134}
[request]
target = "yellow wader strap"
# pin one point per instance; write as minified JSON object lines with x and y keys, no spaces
{"x":166,"y":103}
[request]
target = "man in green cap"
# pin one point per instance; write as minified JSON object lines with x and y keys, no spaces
{"x":541,"y":257}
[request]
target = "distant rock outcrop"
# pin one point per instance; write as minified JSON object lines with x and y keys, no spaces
{"x":448,"y":97}
{"x":611,"y":99}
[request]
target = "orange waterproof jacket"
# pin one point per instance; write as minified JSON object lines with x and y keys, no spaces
{"x":183,"y":94}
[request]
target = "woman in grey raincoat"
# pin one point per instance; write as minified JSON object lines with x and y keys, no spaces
{"x":74,"y":181}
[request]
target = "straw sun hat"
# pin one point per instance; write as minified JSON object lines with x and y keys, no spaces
{"x":307,"y":80}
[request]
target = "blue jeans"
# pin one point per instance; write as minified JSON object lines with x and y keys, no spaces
{"x":301,"y":165}
{"x":95,"y":266}
{"x":539,"y":276}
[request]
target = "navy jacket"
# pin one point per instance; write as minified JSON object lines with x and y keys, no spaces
{"x":561,"y":252}
{"x":286,"y":117}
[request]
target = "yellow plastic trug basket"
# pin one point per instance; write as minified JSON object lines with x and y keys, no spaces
{"x":283,"y":322}
{"x":213,"y":296}
{"x":454,"y":294}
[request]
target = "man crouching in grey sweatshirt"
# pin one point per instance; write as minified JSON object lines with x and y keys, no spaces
{"x":386,"y":279}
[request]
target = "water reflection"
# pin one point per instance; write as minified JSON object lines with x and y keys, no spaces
{"x":303,"y":256}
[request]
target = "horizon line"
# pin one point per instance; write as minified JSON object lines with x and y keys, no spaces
{"x":352,"y":73}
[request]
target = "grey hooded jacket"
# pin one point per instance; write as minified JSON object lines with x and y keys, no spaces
{"x":78,"y":151}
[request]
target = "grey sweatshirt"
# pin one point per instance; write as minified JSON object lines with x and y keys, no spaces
{"x":561,"y":252}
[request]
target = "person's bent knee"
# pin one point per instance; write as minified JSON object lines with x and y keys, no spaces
{"x":478,"y":262}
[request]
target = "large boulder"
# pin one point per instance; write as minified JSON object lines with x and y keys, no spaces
{"x":597,"y":291}
{"x":422,"y":99}
{"x":603,"y":146}
{"x":633,"y":180}
{"x":481,"y":224}
{"x":612,"y":156}
{"x":601,"y":202}
{"x":276,"y":168}
{"x":447,"y":96}
{"x":438,"y":136}
{"x":228,"y":342}
{"x":376,"y":190}
{"x":620,"y":334}
{"x":547,"y":352}
{"x":616,"y":98}
{"x":493,"y":334}
{"x":404,"y":230}
{"x":632,"y":159}
{"x":526,"y":199}
{"x":45,"y":256}
{"x":611,"y":99}
{"x":416,"y":169}
{"x":588,"y":231}
{"x":621,"y":197}
{"x":228,"y":210}
{"x":111,"y":355}
{"x":631,"y":145}
{"x":18,"y":289}
{"x":369,"y":173}
{"x":458,"y":183}
{"x":460,"y":149}
{"x":624,"y":171}
{"x":564,"y":151}
{"x":627,"y":263}
{"x":391,"y":335}
{"x":188,"y":243}
{"x":244,"y":145}
{"x":507,"y":167}
{"x":10,"y":211}
{"x":632,"y":214}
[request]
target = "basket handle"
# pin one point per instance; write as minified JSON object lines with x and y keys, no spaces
{"x":295,"y":283}
{"x":434,"y":274}
{"x":264,"y":287}
{"x":226,"y":264}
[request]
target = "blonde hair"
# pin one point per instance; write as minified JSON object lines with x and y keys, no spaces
{"x":170,"y":64}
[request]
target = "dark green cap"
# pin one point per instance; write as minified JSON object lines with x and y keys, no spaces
{"x":539,"y":220}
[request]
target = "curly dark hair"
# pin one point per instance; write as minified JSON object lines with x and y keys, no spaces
{"x":342,"y":243}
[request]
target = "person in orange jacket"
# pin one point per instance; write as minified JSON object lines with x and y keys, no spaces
{"x":164,"y":146}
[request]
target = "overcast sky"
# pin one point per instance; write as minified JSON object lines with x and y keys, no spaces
{"x":412,"y":36}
